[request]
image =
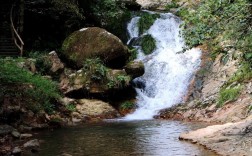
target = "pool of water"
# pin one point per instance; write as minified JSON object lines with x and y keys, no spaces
{"x":121,"y":138}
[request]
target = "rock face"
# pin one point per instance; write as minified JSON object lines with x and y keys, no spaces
{"x":152,"y":4}
{"x":94,"y":42}
{"x":204,"y":94}
{"x":228,"y":139}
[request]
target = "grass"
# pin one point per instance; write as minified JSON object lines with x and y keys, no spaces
{"x":146,"y":21}
{"x":37,"y":91}
{"x":230,"y":94}
{"x":148,"y":44}
{"x":243,"y":74}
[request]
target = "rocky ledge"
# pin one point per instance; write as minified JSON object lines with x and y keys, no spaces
{"x":228,"y":139}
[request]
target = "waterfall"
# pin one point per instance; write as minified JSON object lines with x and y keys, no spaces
{"x":167,"y":72}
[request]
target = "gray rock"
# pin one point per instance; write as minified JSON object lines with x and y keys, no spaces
{"x":16,"y":151}
{"x":32,"y":144}
{"x":5,"y":129}
{"x":15,"y":134}
{"x":66,"y":154}
{"x":22,"y":136}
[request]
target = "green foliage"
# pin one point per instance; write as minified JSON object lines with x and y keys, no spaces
{"x":95,"y":69}
{"x":71,"y":107}
{"x":228,"y":95}
{"x":42,"y":63}
{"x":172,"y":4}
{"x":68,"y":6}
{"x":214,"y":18}
{"x":133,"y":54}
{"x":37,"y":91}
{"x":108,"y":14}
{"x":146,"y":21}
{"x":118,"y":81}
{"x":127,"y":105}
{"x":148,"y":44}
{"x":243,"y":74}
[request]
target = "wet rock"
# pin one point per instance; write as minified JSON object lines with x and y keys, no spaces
{"x":66,"y":154}
{"x":16,"y":151}
{"x":95,"y":42}
{"x":134,"y":69}
{"x":32,"y":145}
{"x":5,"y":129}
{"x":15,"y":134}
{"x":23,"y":128}
{"x":24,"y":136}
{"x":139,"y":83}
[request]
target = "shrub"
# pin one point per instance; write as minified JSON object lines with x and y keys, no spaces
{"x":213,"y":18}
{"x":148,"y":44}
{"x":95,"y":69}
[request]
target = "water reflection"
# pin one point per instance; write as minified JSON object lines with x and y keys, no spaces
{"x":119,"y":138}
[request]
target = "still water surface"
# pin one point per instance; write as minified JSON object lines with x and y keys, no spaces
{"x":122,"y":138}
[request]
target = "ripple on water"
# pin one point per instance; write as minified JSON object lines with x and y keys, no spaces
{"x":134,"y":138}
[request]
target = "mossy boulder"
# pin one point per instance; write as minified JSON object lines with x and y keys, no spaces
{"x":134,"y":69}
{"x":95,"y":42}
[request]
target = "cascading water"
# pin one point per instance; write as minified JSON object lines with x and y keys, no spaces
{"x":167,"y":72}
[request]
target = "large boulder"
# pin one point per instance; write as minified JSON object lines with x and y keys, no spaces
{"x":90,"y":109}
{"x":94,"y":42}
{"x":96,"y":108}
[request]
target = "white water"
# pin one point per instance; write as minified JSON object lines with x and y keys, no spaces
{"x":167,"y":72}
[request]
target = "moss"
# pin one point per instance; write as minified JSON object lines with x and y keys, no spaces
{"x":228,"y":95}
{"x":148,"y":44}
{"x":127,"y":105}
{"x":146,"y":21}
{"x":69,"y":41}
